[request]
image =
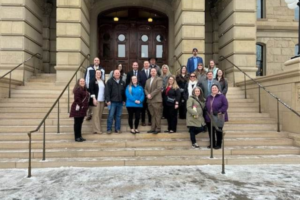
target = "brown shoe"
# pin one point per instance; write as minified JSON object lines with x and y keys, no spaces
{"x":143,"y":124}
{"x":149,"y":124}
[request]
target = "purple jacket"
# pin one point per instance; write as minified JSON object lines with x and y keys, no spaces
{"x":219,"y":104}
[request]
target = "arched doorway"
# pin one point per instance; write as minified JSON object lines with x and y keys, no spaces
{"x":132,"y":37}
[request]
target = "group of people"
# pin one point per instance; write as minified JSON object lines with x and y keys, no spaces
{"x":197,"y":93}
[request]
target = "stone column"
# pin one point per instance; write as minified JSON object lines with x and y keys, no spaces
{"x":237,"y":37}
{"x":48,"y":7}
{"x":20,"y":35}
{"x":189,"y":29}
{"x":73,"y":37}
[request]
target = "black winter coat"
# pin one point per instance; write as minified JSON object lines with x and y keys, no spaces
{"x":174,"y":94}
{"x":114,"y":91}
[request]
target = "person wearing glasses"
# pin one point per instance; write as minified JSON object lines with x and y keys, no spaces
{"x":191,"y":84}
{"x":207,"y":83}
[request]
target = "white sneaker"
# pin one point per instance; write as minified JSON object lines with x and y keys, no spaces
{"x":195,"y":145}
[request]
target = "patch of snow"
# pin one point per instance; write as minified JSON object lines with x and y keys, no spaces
{"x":264,"y":182}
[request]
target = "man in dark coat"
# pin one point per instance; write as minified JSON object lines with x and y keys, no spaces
{"x":144,"y":75}
{"x":153,"y":64}
{"x":115,"y":98}
{"x":134,"y":72}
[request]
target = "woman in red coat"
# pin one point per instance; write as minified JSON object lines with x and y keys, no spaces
{"x":79,"y":107}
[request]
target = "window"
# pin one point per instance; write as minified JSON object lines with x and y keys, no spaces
{"x":260,"y":60}
{"x":296,"y":50}
{"x":121,"y":50}
{"x":159,"y":51}
{"x":259,"y":9}
{"x":296,"y":12}
{"x":144,"y":52}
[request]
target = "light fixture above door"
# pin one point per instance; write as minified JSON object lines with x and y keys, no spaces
{"x":116,"y":18}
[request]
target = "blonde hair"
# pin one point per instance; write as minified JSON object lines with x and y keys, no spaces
{"x":174,"y":85}
{"x":130,"y":84}
{"x":168,"y":73}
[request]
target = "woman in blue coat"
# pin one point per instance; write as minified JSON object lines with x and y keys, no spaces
{"x":134,"y":102}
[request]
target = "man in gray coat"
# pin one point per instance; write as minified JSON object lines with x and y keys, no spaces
{"x":207,"y":83}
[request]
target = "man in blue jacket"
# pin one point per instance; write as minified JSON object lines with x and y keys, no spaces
{"x":193,"y":61}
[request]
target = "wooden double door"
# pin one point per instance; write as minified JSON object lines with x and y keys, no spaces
{"x":129,"y":42}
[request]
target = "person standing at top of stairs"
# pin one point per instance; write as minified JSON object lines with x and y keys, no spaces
{"x":90,"y":76}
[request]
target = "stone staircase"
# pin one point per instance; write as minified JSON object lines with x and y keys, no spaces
{"x":251,"y":137}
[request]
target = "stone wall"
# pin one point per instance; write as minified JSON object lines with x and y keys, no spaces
{"x":278,"y":10}
{"x":286,"y":86}
{"x":189,"y":29}
{"x":237,"y":36}
{"x":73,"y":37}
{"x":20,"y":35}
{"x":278,"y":32}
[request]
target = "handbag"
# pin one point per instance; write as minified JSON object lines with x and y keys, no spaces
{"x":170,"y":100}
{"x":218,"y":118}
{"x":77,"y":108}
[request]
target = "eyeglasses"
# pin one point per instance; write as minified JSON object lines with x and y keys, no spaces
{"x":192,"y":76}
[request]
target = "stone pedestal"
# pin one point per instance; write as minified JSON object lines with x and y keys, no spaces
{"x":73,"y":37}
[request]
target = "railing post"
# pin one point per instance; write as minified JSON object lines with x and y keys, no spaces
{"x":9,"y":87}
{"x":245,"y":86}
{"x":68,"y":98}
{"x":58,"y":129}
{"x":223,"y":154}
{"x":278,"y":119}
{"x":259,"y":100}
{"x":23,"y":75}
{"x":44,"y":142}
{"x":29,"y":161}
{"x":233,"y":76}
{"x":211,"y":139}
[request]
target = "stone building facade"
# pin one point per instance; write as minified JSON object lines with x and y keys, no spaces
{"x":64,"y":31}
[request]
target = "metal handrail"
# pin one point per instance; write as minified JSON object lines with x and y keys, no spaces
{"x":37,"y":55}
{"x":214,"y":124}
{"x":43,"y":122}
{"x":259,"y":98}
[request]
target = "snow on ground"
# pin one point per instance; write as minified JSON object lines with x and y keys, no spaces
{"x":264,"y":182}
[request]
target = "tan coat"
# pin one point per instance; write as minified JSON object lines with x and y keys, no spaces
{"x":197,"y":121}
{"x":154,"y":90}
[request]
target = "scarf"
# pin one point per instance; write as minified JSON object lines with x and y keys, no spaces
{"x":190,"y":88}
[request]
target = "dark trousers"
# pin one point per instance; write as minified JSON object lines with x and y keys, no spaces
{"x":182,"y":108}
{"x":171,"y":115}
{"x":213,"y":132}
{"x":195,"y":131}
{"x":77,"y":126}
{"x":144,"y":110}
{"x":136,"y":112}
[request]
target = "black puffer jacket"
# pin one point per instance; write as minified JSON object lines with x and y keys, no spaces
{"x":114,"y":91}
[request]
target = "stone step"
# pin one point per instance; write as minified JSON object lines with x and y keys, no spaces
{"x":65,"y":115}
{"x":8,"y":145}
{"x":150,"y":161}
{"x":69,"y":121}
{"x":65,"y":104}
{"x":128,"y":136}
{"x":65,"y":109}
{"x":147,"y":152}
{"x":124,"y":128}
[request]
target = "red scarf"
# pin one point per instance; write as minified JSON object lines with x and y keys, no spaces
{"x":168,"y":89}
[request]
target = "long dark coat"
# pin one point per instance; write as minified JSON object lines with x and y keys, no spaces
{"x":81,"y":97}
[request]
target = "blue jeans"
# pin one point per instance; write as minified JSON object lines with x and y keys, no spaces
{"x":115,"y":112}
